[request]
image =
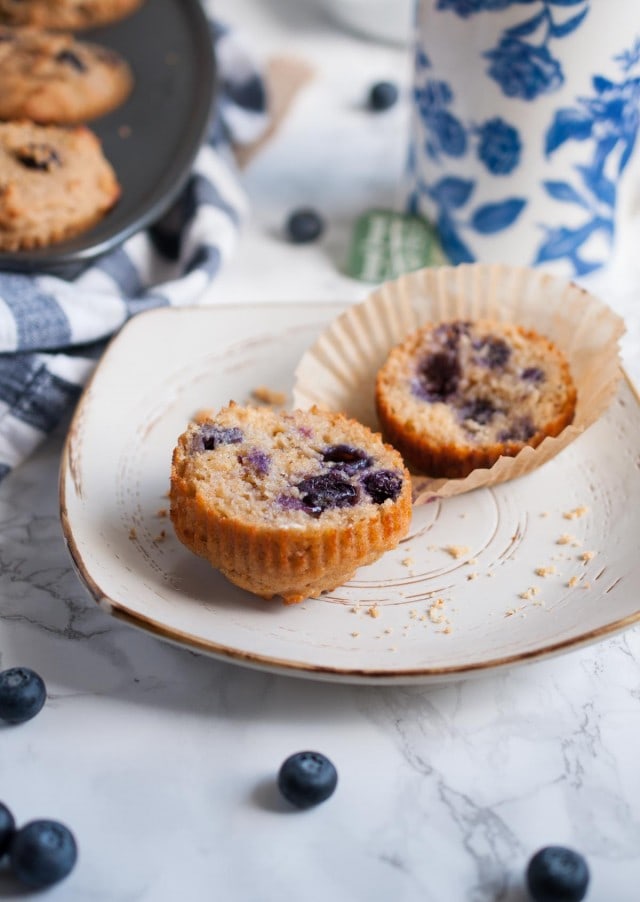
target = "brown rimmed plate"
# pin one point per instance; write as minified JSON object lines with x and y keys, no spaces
{"x":497,"y":577}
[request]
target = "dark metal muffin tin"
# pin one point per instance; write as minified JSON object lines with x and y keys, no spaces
{"x":152,"y":139}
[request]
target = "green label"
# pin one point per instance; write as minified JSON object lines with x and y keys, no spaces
{"x":385,"y":245}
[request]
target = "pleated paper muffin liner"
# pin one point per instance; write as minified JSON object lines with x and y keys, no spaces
{"x":339,"y":371}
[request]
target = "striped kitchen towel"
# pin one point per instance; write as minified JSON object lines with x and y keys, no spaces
{"x":52,"y":329}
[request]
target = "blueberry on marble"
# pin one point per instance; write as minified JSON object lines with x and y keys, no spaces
{"x":494,"y":352}
{"x":307,"y":778}
{"x":557,"y":874}
{"x":480,"y":410}
{"x":437,"y":376}
{"x":382,"y":485}
{"x":22,"y":694}
{"x":347,"y":458}
{"x":383,"y":95}
{"x":42,"y":853}
{"x":533,"y":374}
{"x":210,"y":437}
{"x":320,"y":493}
{"x":7,"y":828}
{"x":304,"y":226}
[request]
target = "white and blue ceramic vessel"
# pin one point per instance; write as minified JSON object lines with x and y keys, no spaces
{"x":525,"y":122}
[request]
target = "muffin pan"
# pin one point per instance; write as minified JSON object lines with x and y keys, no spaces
{"x":152,"y":139}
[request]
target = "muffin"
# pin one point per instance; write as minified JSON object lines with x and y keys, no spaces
{"x":54,"y":78}
{"x":287,"y":504}
{"x":55,"y":183}
{"x":456,"y":396}
{"x":65,"y":14}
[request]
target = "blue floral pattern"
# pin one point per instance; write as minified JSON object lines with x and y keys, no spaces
{"x":609,"y":120}
{"x":523,"y":63}
{"x":498,"y":148}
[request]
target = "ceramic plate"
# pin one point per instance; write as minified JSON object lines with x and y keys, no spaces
{"x":495,"y":577}
{"x":152,"y":139}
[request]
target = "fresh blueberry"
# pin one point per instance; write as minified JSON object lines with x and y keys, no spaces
{"x":304,"y":226}
{"x":383,"y":95}
{"x":437,"y":376}
{"x":480,"y":410}
{"x":7,"y":828}
{"x":382,"y":485}
{"x":41,"y":157}
{"x":346,"y":458}
{"x":307,"y":778}
{"x":42,"y":853}
{"x":319,"y":493}
{"x":22,"y":694}
{"x":211,"y":437}
{"x":557,"y":874}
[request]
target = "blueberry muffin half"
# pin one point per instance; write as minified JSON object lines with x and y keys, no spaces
{"x":54,"y":183}
{"x":287,"y":504}
{"x":456,"y":396}
{"x":53,"y":78}
{"x":65,"y":14}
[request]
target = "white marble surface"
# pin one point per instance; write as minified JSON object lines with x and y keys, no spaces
{"x":163,"y":762}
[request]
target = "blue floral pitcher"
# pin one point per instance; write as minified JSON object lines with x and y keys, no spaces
{"x":524,"y":126}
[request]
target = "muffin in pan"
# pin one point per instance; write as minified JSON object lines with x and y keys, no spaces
{"x":65,"y":14}
{"x":287,"y":504}
{"x":458,"y":395}
{"x":55,"y":182}
{"x":51,"y":77}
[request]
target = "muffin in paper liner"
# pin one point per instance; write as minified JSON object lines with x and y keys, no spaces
{"x":339,"y":371}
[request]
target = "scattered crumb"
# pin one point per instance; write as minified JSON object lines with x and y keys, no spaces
{"x":576,"y":512}
{"x":435,"y":611}
{"x":132,"y":533}
{"x":463,"y":516}
{"x":124,"y":131}
{"x":565,"y":539}
{"x":472,"y":575}
{"x":448,"y":629}
{"x":162,"y":512}
{"x":510,"y":612}
{"x":413,"y":614}
{"x":393,"y":648}
{"x":539,"y":603}
{"x":585,"y":586}
{"x":407,"y":562}
{"x":355,"y":634}
{"x":374,"y":611}
{"x":162,"y":535}
{"x":587,"y":556}
{"x":529,"y":593}
{"x":388,"y":631}
{"x":573,"y":582}
{"x":269,"y":396}
{"x":489,"y":572}
{"x":456,"y":551}
{"x":545,"y":571}
{"x":544,"y":513}
{"x":472,"y":560}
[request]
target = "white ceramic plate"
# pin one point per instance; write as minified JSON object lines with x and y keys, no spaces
{"x":459,"y":596}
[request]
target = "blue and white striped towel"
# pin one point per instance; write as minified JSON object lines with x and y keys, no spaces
{"x":52,"y":330}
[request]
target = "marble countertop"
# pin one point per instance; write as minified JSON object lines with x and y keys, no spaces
{"x":163,"y":762}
